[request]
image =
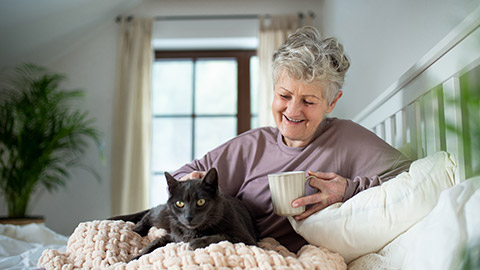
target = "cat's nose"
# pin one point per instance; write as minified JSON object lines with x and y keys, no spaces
{"x":189,"y":218}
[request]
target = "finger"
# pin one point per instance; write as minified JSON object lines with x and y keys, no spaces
{"x":185,"y":177}
{"x":319,"y":184}
{"x":310,"y":211}
{"x":311,"y":199}
{"x":193,"y":175}
{"x":198,"y":175}
{"x":323,"y":175}
{"x":315,"y":183}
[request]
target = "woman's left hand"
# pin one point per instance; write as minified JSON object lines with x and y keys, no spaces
{"x":331,"y":189}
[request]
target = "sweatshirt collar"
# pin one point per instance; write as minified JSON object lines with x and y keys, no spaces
{"x":296,"y":150}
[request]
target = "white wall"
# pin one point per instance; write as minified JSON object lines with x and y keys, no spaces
{"x":91,"y":66}
{"x":384,"y":39}
{"x":89,"y":63}
{"x":223,"y":7}
{"x":43,"y":31}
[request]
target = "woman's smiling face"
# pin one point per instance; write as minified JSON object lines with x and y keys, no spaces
{"x":298,"y":109}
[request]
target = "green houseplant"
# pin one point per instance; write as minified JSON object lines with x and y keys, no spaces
{"x":42,"y":136}
{"x":469,"y":99}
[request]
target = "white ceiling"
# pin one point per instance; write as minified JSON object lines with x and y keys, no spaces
{"x":29,"y":25}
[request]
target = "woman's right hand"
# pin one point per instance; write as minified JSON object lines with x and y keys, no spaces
{"x":331,"y":189}
{"x":194,"y":175}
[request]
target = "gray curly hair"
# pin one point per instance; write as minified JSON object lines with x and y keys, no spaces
{"x":306,"y":57}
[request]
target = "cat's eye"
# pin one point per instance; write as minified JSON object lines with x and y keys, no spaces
{"x":201,"y":202}
{"x":180,"y":204}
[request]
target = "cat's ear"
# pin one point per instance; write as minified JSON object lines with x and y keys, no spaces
{"x":211,"y":177}
{"x":171,"y":181}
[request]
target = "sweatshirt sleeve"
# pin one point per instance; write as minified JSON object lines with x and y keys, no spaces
{"x":217,"y":158}
{"x":361,"y":183}
{"x":370,"y":159}
{"x":230,"y":159}
{"x":196,"y":165}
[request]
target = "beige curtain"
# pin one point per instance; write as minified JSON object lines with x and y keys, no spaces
{"x":131,"y":128}
{"x":274,"y":30}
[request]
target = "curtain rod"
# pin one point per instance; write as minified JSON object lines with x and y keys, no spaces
{"x":211,"y":17}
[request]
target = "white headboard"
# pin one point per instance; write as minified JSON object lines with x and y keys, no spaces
{"x":416,"y":112}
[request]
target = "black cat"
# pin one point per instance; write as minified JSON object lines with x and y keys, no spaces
{"x":198,"y":213}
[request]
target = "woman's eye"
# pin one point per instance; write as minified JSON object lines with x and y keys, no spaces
{"x":284,"y":96}
{"x":180,"y":204}
{"x":308,"y":103}
{"x":201,"y":202}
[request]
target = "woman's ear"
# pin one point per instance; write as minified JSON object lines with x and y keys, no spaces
{"x":334,"y":102}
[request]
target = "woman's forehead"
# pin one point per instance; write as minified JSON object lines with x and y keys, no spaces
{"x":296,"y":87}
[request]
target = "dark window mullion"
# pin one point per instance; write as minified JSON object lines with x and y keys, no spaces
{"x":243,"y":94}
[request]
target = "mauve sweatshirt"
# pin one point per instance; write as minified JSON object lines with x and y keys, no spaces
{"x":340,"y":146}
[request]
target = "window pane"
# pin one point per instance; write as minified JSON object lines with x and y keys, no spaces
{"x":254,"y":122}
{"x":171,"y":143}
{"x":254,"y":74}
{"x":210,"y":132}
{"x":172,"y":82}
{"x":158,"y":190}
{"x":216,"y":86}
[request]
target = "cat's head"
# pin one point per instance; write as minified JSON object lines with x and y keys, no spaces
{"x":194,"y":202}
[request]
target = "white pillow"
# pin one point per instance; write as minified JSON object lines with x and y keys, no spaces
{"x":449,"y":228}
{"x":372,"y":218}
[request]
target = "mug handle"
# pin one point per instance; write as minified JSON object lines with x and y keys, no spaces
{"x":308,"y":178}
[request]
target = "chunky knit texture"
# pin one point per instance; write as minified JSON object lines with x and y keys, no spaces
{"x":110,"y":244}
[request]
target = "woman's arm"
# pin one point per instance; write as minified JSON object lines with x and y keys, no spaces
{"x":364,"y":161}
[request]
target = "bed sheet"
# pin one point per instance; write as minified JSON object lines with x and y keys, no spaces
{"x":22,"y":246}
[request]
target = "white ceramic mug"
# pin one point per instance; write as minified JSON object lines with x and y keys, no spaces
{"x":286,"y":187}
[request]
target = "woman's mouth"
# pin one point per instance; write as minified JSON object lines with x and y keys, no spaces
{"x":293,"y":120}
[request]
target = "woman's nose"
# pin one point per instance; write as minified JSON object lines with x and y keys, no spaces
{"x":293,"y":108}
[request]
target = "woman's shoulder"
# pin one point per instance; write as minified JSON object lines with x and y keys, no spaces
{"x":259,"y":134}
{"x":348,"y":129}
{"x":253,"y":137}
{"x":262,"y":131}
{"x":343,"y":124}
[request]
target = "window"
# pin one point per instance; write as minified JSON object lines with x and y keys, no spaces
{"x":200,"y":99}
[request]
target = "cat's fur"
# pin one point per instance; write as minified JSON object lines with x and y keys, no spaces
{"x":187,"y":219}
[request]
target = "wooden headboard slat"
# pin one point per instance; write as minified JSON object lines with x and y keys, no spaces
{"x":419,"y":117}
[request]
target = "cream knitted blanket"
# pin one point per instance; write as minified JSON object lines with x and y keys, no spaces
{"x":110,"y":244}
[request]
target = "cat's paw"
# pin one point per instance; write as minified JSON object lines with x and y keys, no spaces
{"x":198,"y":243}
{"x":135,"y":258}
{"x":141,"y":230}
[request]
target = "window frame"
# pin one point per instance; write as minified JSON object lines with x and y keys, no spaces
{"x":243,"y":77}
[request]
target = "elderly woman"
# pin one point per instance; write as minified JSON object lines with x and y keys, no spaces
{"x":344,"y":157}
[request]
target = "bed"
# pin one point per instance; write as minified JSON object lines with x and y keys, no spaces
{"x":424,"y":219}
